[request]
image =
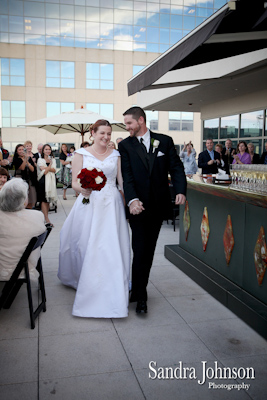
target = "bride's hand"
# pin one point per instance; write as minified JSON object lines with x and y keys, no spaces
{"x":86,"y":192}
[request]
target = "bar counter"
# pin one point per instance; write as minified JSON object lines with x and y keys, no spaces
{"x":234,"y":283}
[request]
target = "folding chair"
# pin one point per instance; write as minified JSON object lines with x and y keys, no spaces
{"x":13,"y":285}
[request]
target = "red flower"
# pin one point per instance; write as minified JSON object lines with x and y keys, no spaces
{"x":91,"y":179}
{"x":4,"y":151}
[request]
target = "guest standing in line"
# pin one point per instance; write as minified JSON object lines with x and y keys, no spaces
{"x":255,"y":157}
{"x":242,"y":156}
{"x":65,"y":172}
{"x":46,"y":170}
{"x":209,"y":160}
{"x":188,"y":157}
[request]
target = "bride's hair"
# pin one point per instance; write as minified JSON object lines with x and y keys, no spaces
{"x":97,"y":124}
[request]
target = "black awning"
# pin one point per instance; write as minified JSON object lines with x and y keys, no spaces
{"x":245,"y":17}
{"x":173,"y":56}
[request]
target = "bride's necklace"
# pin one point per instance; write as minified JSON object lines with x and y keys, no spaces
{"x":99,"y":154}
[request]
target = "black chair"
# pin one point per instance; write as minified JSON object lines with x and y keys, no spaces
{"x":13,"y":285}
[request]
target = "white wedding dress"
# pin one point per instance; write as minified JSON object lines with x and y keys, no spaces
{"x":95,"y":253}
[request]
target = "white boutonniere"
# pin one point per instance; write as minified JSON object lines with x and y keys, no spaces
{"x":155,"y":144}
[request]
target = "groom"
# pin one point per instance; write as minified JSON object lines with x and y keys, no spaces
{"x":146,"y":159}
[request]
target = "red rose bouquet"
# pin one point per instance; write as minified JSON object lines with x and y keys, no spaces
{"x":91,"y":178}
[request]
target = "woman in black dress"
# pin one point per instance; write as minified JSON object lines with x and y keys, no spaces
{"x":46,"y":170}
{"x":25,"y":169}
{"x":65,"y":172}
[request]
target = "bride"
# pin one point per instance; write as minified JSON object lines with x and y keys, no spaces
{"x":94,"y":253}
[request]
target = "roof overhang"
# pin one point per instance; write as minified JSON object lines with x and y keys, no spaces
{"x":237,"y":28}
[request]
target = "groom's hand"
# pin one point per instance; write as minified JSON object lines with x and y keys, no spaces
{"x":180,"y":198}
{"x":136,"y":207}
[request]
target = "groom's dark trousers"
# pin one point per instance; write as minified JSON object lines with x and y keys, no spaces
{"x":145,"y":177}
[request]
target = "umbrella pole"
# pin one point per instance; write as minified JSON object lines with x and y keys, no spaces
{"x":82,"y":133}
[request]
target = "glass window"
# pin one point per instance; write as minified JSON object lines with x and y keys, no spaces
{"x":80,"y":13}
{"x":52,"y":27}
{"x":176,"y":35}
{"x":219,"y":3}
{"x":16,"y":24}
{"x":229,"y":127}
{"x":4,"y":23}
{"x":66,"y":12}
{"x":80,"y":29}
{"x":123,"y":17}
{"x":152,"y":19}
{"x":13,"y":113}
{"x":211,"y":129}
{"x":176,"y":21}
{"x":52,"y":10}
{"x":152,"y":120}
{"x":55,"y":108}
{"x":139,"y":34}
{"x":122,"y":4}
{"x":138,"y":5}
{"x":153,"y":35}
{"x":34,"y":26}
{"x":189,"y":23}
{"x":33,"y":9}
{"x":12,"y":72}
{"x":164,"y":35}
{"x":105,"y":110}
{"x":92,"y":30}
{"x":60,"y":74}
{"x":251,"y":124}
{"x":181,"y":121}
{"x":15,"y":7}
{"x":106,"y":31}
{"x":66,"y":28}
{"x":137,"y":68}
{"x":164,"y":20}
{"x":139,"y":18}
{"x":99,"y":76}
{"x":123,"y":32}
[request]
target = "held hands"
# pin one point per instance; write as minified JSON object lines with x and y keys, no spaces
{"x":136,"y":207}
{"x":180,"y":199}
{"x":210,"y":162}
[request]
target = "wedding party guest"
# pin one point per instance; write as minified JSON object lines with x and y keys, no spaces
{"x":112,"y":145}
{"x":4,"y":154}
{"x":263,"y":159}
{"x":70,"y":158}
{"x":17,"y":227}
{"x":209,"y":160}
{"x":95,"y":251}
{"x":25,"y":169}
{"x":242,"y":156}
{"x":223,"y":160}
{"x":118,"y":140}
{"x":46,"y":170}
{"x":228,"y":152}
{"x":255,"y":157}
{"x":85,"y":144}
{"x":147,"y":158}
{"x":39,"y":152}
{"x":4,"y":177}
{"x":188,"y":157}
{"x":65,"y":172}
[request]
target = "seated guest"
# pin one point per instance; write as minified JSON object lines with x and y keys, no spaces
{"x":4,"y":177}
{"x":242,"y":156}
{"x":188,"y":157}
{"x":209,"y":160}
{"x":263,"y":159}
{"x":17,"y":227}
{"x":255,"y":158}
{"x":4,"y":155}
{"x":25,"y":169}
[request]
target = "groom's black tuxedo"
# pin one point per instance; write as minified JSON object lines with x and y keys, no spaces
{"x":145,"y":177}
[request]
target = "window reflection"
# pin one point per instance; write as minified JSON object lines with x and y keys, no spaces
{"x":152,"y":120}
{"x":251,"y":124}
{"x":140,"y":34}
{"x":60,"y":74}
{"x":99,"y":76}
{"x":12,"y":72}
{"x":15,"y":7}
{"x":139,"y":18}
{"x":105,"y":110}
{"x":137,"y":68}
{"x":211,"y":129}
{"x":181,"y":121}
{"x":16,"y":24}
{"x":55,"y":108}
{"x":66,"y":12}
{"x":52,"y":27}
{"x":229,"y":127}
{"x":13,"y":113}
{"x":52,"y":10}
{"x":34,"y":25}
{"x":33,"y":9}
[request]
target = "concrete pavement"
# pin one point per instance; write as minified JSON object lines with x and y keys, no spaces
{"x":185,"y":330}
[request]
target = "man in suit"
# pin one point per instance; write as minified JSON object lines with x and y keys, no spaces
{"x":209,"y":160}
{"x":39,"y":152}
{"x":146,"y":159}
{"x":227,"y":154}
{"x":263,"y":159}
{"x":4,"y":154}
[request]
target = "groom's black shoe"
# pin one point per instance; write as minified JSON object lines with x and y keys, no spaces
{"x":141,"y":307}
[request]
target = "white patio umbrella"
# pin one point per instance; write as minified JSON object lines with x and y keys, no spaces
{"x":78,"y":120}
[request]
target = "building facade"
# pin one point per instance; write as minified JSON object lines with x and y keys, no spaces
{"x":60,"y":55}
